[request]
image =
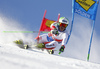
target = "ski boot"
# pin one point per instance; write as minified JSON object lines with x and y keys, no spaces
{"x":40,"y":46}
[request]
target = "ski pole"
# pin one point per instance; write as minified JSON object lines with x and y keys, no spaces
{"x":59,"y":53}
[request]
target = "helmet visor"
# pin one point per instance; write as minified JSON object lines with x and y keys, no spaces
{"x":64,"y":25}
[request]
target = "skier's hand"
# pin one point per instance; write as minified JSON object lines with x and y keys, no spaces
{"x":62,"y":48}
{"x":55,"y":31}
{"x":38,"y":38}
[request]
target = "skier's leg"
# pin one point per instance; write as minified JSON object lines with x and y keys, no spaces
{"x":40,"y":41}
{"x":52,"y":44}
{"x":42,"y":38}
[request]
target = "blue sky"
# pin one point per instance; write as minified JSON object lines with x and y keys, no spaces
{"x":29,"y":14}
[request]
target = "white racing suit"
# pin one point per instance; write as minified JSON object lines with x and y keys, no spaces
{"x":52,"y":39}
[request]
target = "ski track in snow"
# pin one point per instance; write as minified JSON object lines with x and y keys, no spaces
{"x":12,"y":57}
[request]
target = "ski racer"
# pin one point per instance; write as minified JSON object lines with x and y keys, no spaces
{"x":58,"y":34}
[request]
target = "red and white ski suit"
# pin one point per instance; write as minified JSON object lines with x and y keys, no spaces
{"x":53,"y":40}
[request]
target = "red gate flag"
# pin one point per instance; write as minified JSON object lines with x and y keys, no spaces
{"x":45,"y":26}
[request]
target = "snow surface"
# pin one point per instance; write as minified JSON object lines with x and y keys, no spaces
{"x":12,"y":57}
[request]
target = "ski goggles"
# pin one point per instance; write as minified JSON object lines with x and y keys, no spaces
{"x":64,"y":25}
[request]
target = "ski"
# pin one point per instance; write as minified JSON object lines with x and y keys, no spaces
{"x":39,"y":46}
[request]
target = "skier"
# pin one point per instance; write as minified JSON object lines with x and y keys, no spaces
{"x":58,"y":34}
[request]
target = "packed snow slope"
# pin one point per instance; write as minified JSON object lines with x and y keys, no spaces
{"x":12,"y":57}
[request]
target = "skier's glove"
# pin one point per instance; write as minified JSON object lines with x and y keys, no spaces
{"x":62,"y":48}
{"x":55,"y":31}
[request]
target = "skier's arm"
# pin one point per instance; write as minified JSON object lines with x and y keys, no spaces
{"x":65,"y":36}
{"x":54,"y":29}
